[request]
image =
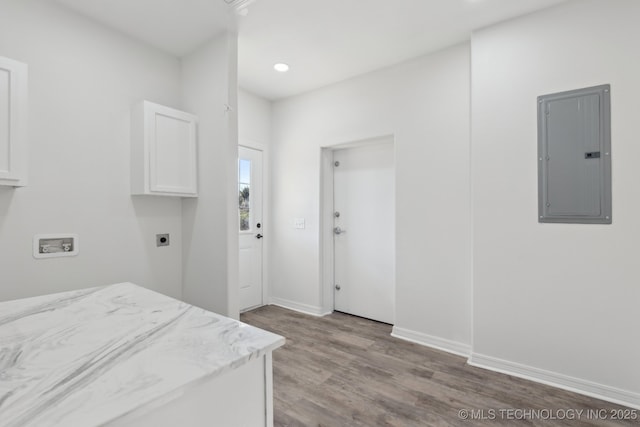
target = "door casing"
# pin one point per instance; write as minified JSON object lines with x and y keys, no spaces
{"x":265,"y":214}
{"x":326,"y":215}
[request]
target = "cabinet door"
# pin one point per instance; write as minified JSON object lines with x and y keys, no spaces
{"x":13,"y":122}
{"x":172,"y":150}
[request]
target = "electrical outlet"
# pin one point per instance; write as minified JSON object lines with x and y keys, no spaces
{"x":162,"y":240}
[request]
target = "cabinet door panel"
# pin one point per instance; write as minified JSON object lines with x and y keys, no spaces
{"x":172,"y":151}
{"x":163,"y":151}
{"x":13,"y":122}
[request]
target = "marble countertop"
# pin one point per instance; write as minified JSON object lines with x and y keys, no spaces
{"x":88,"y":357}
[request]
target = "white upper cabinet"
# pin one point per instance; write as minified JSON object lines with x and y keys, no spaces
{"x":163,"y":151}
{"x":13,"y":123}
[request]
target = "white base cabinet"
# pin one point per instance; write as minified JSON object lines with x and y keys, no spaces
{"x":239,"y":398}
{"x":163,"y":151}
{"x":13,"y":123}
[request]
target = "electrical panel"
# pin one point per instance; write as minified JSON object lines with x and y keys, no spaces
{"x":574,"y":156}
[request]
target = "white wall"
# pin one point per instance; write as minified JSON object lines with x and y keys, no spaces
{"x":254,"y":118}
{"x":424,"y":103}
{"x":210,"y":224}
{"x":83,"y":79}
{"x":560,"y":298}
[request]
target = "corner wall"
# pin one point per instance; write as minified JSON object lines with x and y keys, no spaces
{"x":424,"y":104}
{"x":210,"y":223}
{"x":83,"y":80}
{"x":555,"y":302}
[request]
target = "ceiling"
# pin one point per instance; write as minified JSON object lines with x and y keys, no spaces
{"x":324,"y":41}
{"x":175,"y":26}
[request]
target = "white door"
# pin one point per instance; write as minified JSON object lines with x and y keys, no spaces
{"x":364,"y":231}
{"x":250,"y":226}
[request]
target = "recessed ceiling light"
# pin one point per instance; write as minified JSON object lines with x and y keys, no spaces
{"x":281,"y":67}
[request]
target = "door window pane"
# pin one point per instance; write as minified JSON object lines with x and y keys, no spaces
{"x":244,"y":191}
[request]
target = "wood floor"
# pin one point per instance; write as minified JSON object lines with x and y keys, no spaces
{"x":342,"y":370}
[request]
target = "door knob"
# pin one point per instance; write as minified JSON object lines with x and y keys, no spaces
{"x":259,"y":236}
{"x":338,"y":287}
{"x":339,"y":230}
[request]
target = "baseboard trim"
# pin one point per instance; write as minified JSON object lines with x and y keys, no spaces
{"x":437,"y":343}
{"x":299,"y":307}
{"x":554,"y":379}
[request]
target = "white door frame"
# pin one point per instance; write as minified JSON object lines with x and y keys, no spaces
{"x":265,"y":213}
{"x":326,"y":213}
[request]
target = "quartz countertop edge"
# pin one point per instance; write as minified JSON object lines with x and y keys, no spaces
{"x":180,"y":391}
{"x":98,"y":355}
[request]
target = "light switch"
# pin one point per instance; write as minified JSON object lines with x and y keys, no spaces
{"x":298,"y":223}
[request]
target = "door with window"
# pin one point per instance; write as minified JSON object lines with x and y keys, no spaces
{"x":364,"y":231}
{"x":250,"y":226}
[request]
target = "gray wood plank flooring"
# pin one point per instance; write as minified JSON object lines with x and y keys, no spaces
{"x":342,"y":370}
